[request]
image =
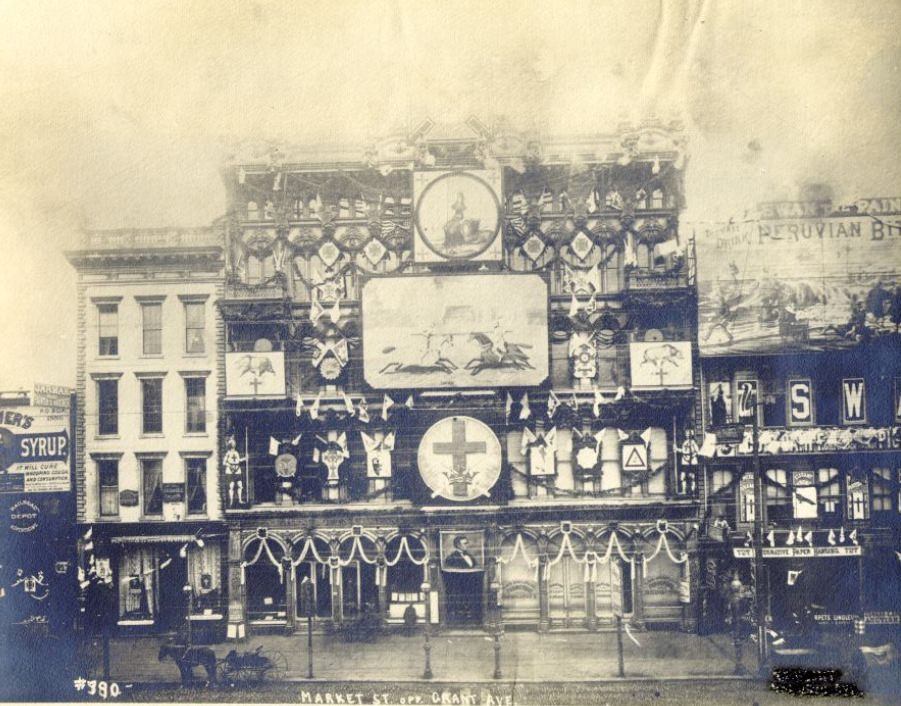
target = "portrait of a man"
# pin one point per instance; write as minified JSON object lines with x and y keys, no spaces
{"x":462,"y":551}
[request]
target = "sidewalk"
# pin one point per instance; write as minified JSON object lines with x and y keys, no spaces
{"x":464,"y":657}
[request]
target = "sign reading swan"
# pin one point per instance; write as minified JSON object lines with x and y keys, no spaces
{"x":455,"y":331}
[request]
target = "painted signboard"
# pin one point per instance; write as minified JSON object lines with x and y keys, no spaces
{"x":457,"y":215}
{"x":255,"y":374}
{"x":798,"y":284}
{"x":34,"y":452}
{"x":455,"y":331}
{"x":661,"y":364}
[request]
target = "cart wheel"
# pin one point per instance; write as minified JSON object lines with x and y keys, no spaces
{"x":227,"y":674}
{"x":249,"y":675}
{"x":277,"y":669}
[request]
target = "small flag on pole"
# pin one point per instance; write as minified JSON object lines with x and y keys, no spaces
{"x":298,"y":407}
{"x":273,"y":446}
{"x":526,"y":411}
{"x":314,"y":408}
{"x":387,"y":403}
{"x":363,"y":411}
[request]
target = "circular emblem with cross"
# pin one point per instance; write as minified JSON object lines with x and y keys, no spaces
{"x":459,"y":458}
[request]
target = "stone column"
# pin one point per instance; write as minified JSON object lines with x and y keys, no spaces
{"x":692,"y":608}
{"x":544,"y":621}
{"x":638,"y":591}
{"x":591,"y":619}
{"x":237,"y":620}
{"x":290,"y":597}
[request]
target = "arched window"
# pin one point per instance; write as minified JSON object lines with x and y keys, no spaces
{"x":611,"y":269}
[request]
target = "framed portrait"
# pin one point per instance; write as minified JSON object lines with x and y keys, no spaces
{"x":463,"y":551}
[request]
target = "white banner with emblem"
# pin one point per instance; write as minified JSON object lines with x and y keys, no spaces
{"x":256,"y":374}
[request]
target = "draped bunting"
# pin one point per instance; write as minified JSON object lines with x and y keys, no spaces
{"x":663,"y":543}
{"x":264,"y":546}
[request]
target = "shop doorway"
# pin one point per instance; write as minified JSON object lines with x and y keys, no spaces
{"x":172,"y":601}
{"x":613,"y":589}
{"x":463,"y":595}
{"x":359,"y":592}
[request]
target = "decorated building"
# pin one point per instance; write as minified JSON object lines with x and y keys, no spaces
{"x":799,"y":339}
{"x":149,"y":511}
{"x":460,"y":381}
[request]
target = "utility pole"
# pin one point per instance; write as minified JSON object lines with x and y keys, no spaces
{"x":760,"y":522}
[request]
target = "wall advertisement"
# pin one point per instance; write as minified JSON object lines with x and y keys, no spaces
{"x":798,"y":284}
{"x":34,"y":451}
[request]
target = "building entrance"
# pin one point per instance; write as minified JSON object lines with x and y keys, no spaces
{"x":173,"y":604}
{"x":463,"y":592}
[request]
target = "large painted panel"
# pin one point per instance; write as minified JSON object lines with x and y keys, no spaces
{"x":798,"y":284}
{"x":455,"y":331}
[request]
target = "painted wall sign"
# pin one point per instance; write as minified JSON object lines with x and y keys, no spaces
{"x":662,"y":364}
{"x":173,"y":492}
{"x":256,"y":374}
{"x":451,"y":331}
{"x":128,"y":498}
{"x":797,"y":283}
{"x":854,"y":401}
{"x":24,"y":516}
{"x":459,"y":459}
{"x":800,"y":402}
{"x":878,"y":204}
{"x":457,"y":216}
{"x":34,"y":452}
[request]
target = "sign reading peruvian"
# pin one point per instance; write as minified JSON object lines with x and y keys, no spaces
{"x":457,"y":216}
{"x":660,"y":364}
{"x":798,"y":283}
{"x":459,"y":459}
{"x":34,"y":452}
{"x":455,"y":331}
{"x":256,"y":374}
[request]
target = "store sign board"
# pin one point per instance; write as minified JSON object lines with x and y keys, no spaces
{"x":796,"y":283}
{"x":790,"y":552}
{"x":35,"y":451}
{"x":255,"y":374}
{"x":455,"y":331}
{"x":173,"y":492}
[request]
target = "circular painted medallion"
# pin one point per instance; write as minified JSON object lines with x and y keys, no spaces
{"x":458,"y":216}
{"x":459,"y":458}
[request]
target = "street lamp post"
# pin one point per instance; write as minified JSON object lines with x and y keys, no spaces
{"x":427,"y":647}
{"x":494,"y":587}
{"x":735,"y":599}
{"x":189,"y":593}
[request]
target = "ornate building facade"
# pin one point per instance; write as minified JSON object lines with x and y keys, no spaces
{"x":799,"y":338}
{"x":460,"y":375}
{"x":146,"y":468}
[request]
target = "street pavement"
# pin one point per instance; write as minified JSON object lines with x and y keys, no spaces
{"x":464,"y":657}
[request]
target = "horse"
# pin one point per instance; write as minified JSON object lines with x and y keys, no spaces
{"x":186,"y":658}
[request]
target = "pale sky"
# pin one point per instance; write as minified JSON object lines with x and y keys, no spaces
{"x":119,"y":114}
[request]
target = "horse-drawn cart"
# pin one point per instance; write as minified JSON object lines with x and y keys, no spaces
{"x":251,"y":667}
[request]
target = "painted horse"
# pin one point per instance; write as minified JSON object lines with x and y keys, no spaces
{"x":186,"y":658}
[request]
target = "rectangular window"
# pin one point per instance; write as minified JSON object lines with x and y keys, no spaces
{"x":152,"y":324}
{"x":152,"y":484}
{"x":195,"y":474}
{"x":108,"y":406}
{"x":152,"y":405}
{"x":882,"y":490}
{"x":108,"y":480}
{"x":195,"y":392}
{"x":108,"y":325}
{"x":830,"y":495}
{"x":195,"y":325}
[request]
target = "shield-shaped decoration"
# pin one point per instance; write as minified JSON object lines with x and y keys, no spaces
{"x":584,"y":356}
